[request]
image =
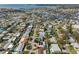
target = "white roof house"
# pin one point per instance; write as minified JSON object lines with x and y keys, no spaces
{"x":10,"y":46}
{"x":41,"y":35}
{"x":53,"y":40}
{"x":50,"y":26}
{"x":71,"y":39}
{"x":64,"y":51}
{"x":75,"y":45}
{"x":17,"y":34}
{"x":76,"y":26}
{"x":13,"y":38}
{"x":55,"y":48}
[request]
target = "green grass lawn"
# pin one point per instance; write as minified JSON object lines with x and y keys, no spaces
{"x":72,"y":50}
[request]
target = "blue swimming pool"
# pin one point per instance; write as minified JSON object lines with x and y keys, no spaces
{"x":1,"y":30}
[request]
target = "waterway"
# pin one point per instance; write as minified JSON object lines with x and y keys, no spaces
{"x":26,"y":6}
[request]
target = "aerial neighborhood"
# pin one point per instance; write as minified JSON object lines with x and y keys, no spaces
{"x":39,"y":30}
